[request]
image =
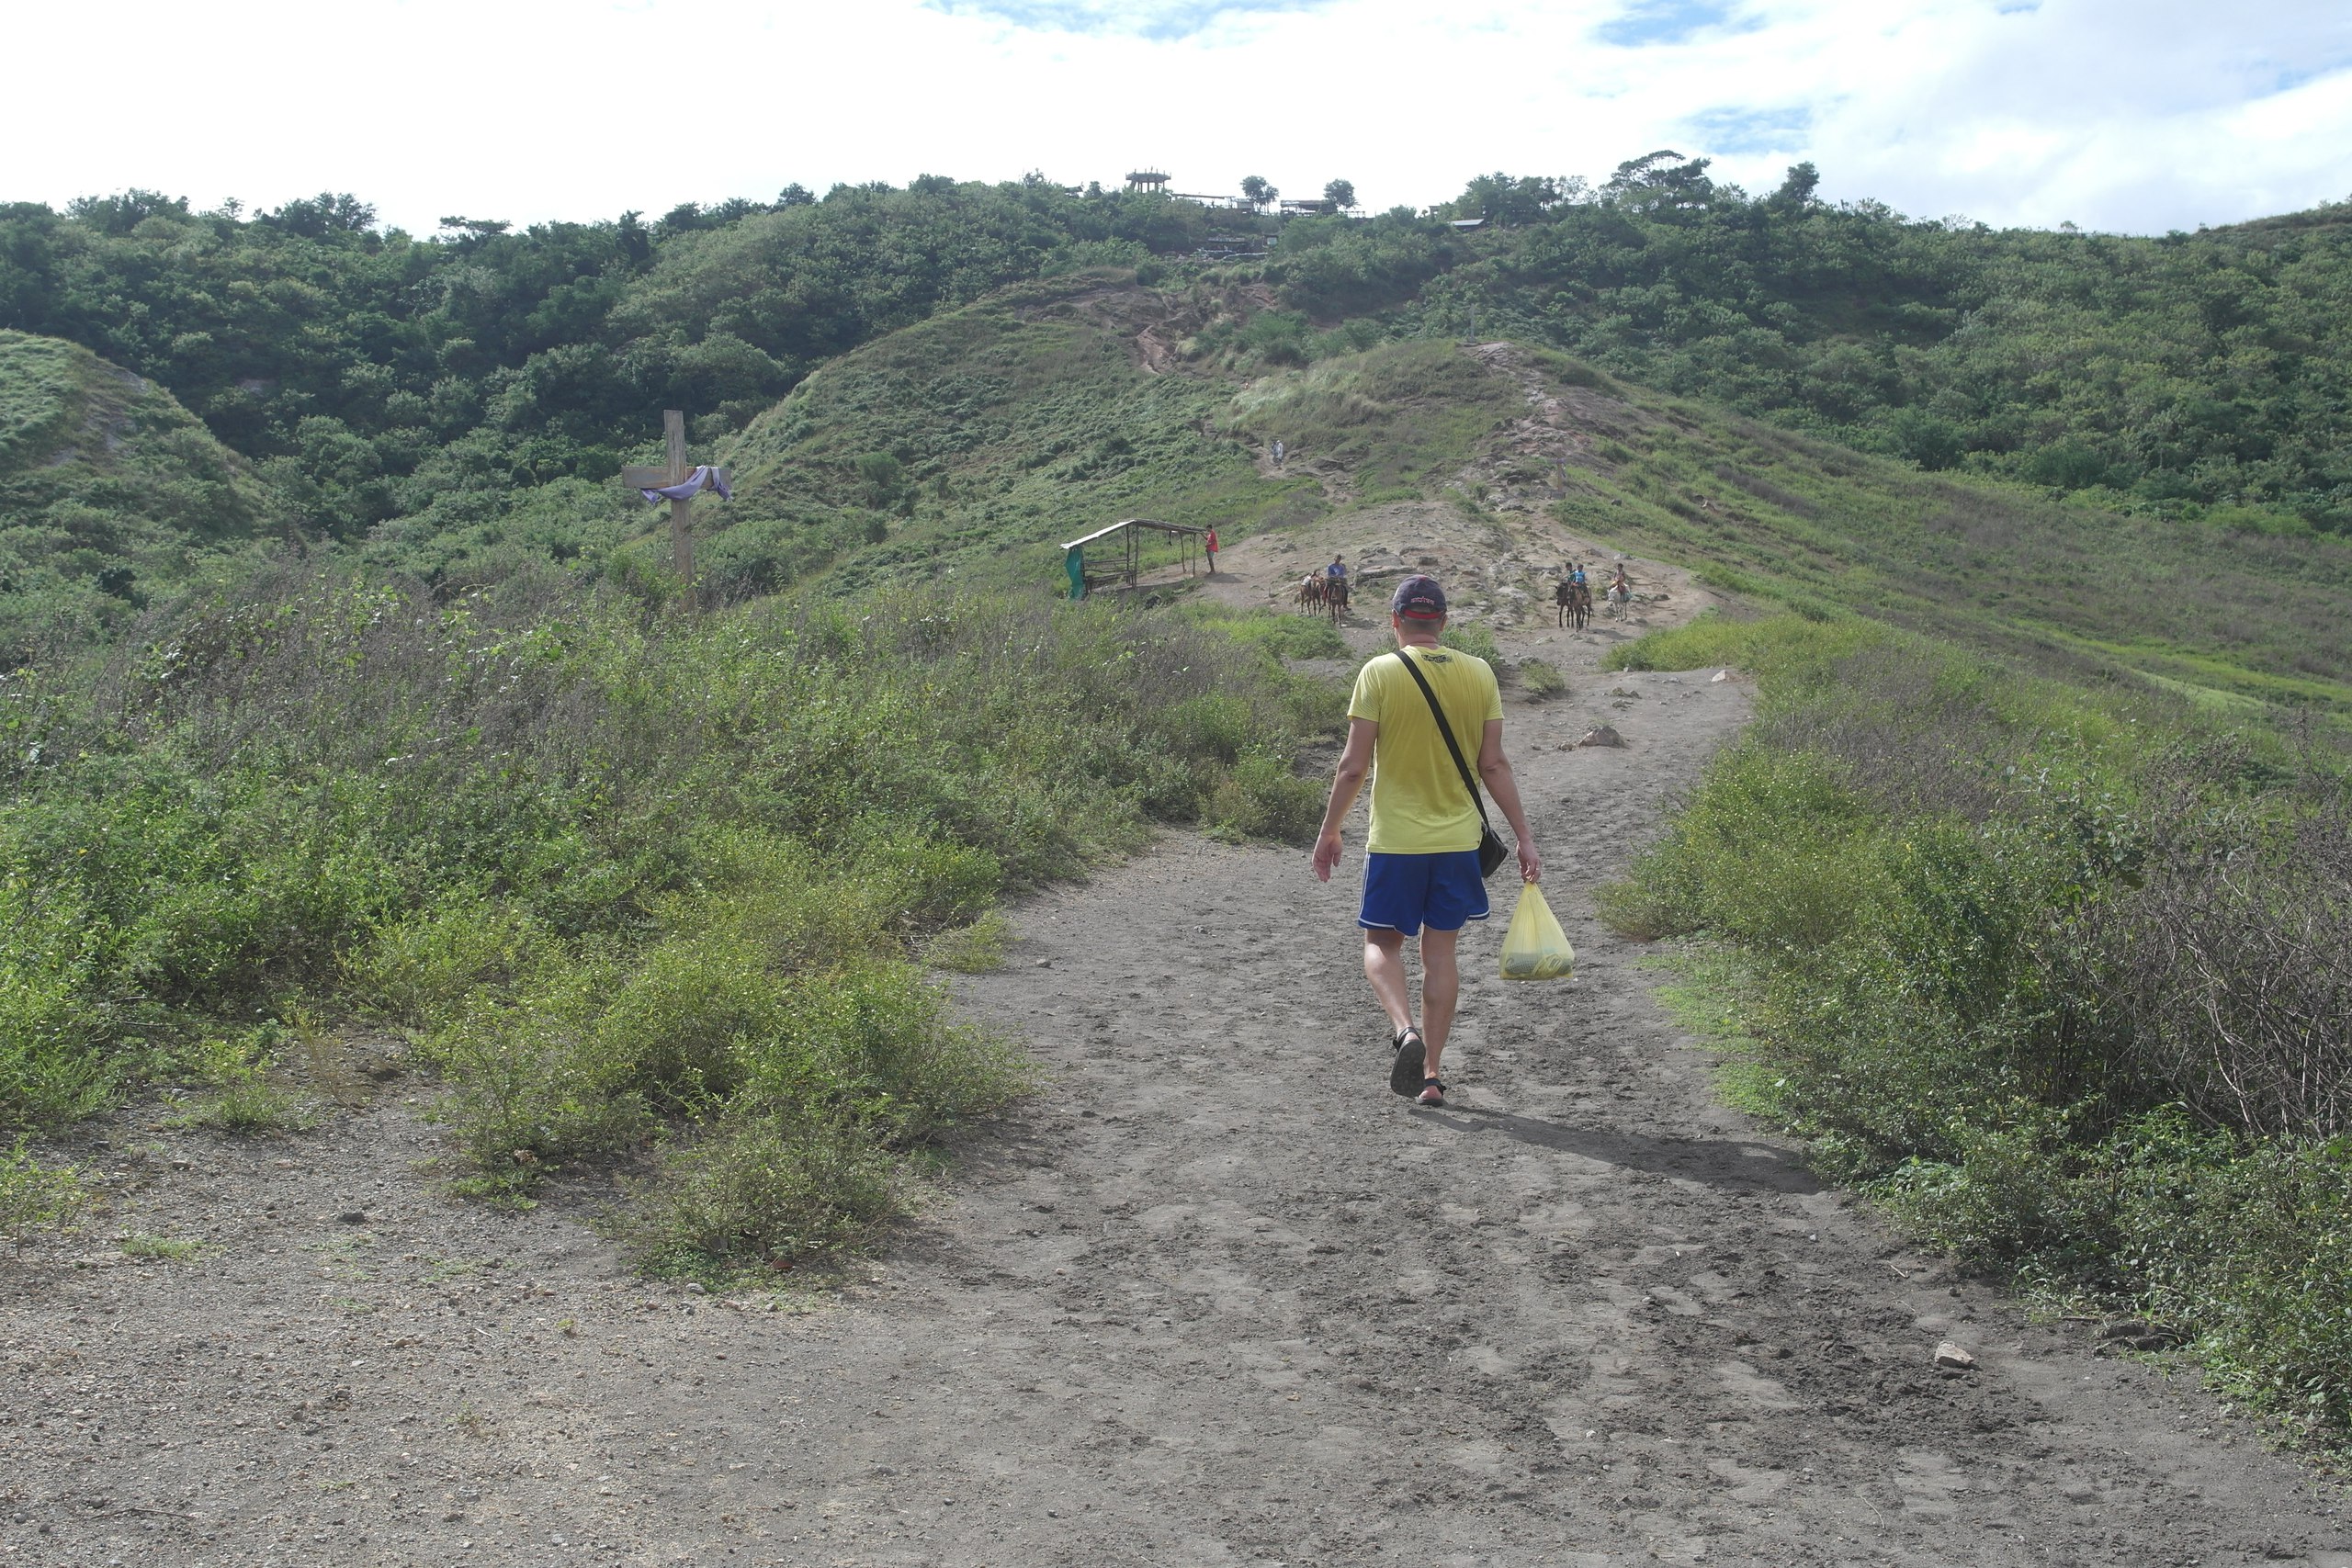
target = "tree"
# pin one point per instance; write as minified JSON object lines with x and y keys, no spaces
{"x":1340,"y":193}
{"x":1662,"y":181}
{"x":1505,"y":200}
{"x":1256,"y":192}
{"x":1796,"y":192}
{"x":327,"y":213}
{"x":121,"y":214}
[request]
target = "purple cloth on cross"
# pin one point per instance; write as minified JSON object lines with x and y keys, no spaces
{"x":702,"y":479}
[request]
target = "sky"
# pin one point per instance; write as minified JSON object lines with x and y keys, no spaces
{"x":2134,"y":116}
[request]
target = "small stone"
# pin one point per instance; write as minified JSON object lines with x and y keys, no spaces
{"x":1951,"y":1358}
{"x":1045,"y":963}
{"x":693,"y":1288}
{"x":1720,"y":675}
{"x":352,"y":1217}
{"x":1601,"y":735}
{"x":2122,"y":1329}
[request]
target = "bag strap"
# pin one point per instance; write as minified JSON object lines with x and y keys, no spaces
{"x":1446,"y":731}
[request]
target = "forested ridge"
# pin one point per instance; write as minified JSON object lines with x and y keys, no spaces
{"x":442,"y":384}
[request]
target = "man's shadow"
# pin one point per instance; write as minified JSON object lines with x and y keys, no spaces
{"x":1736,"y":1162}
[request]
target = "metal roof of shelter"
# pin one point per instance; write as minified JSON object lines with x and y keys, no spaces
{"x":1135,"y":523}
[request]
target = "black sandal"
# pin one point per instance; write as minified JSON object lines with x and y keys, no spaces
{"x":1432,"y":1093}
{"x":1404,"y":1074}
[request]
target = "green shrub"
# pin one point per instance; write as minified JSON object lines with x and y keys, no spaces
{"x":873,"y":1037}
{"x":1790,"y":647}
{"x":672,"y":1028}
{"x":1262,"y":798}
{"x":35,"y":1197}
{"x":1770,"y":852}
{"x":2246,"y":1247}
{"x":626,"y":876}
{"x":976,"y":949}
{"x":1540,"y":678}
{"x":527,"y":1082}
{"x":765,"y":1187}
{"x":2053,"y":975}
{"x":239,"y":1095}
{"x":420,"y":969}
{"x":1473,"y":638}
{"x":54,"y":1017}
{"x":1285,"y":636}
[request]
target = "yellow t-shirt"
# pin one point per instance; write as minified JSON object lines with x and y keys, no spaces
{"x":1419,"y":804}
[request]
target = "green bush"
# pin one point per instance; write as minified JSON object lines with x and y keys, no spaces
{"x":54,"y":1019}
{"x":1473,"y":638}
{"x":239,"y":1094}
{"x":624,"y":878}
{"x":1285,"y":636}
{"x":975,"y":949}
{"x":1997,"y":943}
{"x":1261,"y":797}
{"x":420,"y":969}
{"x":1542,"y":679}
{"x":528,"y":1083}
{"x":36,"y":1197}
{"x":758,"y":1188}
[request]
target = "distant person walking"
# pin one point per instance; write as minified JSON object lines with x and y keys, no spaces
{"x":1421,"y":876}
{"x":1212,"y":549}
{"x":1279,"y":450}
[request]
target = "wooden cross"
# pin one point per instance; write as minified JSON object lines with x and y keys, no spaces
{"x":676,"y":471}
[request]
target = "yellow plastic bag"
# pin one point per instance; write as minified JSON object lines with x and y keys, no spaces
{"x":1535,"y":948}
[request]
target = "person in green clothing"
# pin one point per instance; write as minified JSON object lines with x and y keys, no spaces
{"x":1421,"y":873}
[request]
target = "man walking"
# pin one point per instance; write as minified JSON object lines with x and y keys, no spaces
{"x":1422,"y":875}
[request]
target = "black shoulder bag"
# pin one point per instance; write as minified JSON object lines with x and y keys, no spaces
{"x":1492,"y":851}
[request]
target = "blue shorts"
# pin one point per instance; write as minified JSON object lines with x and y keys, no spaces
{"x":1404,"y":893}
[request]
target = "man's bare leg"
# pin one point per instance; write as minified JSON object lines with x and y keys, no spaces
{"x":1384,"y":966}
{"x":1440,"y":988}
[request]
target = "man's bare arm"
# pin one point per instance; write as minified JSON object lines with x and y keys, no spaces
{"x":1503,"y":785}
{"x":1347,"y":783}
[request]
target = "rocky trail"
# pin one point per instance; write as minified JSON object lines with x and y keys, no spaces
{"x":1212,"y":1297}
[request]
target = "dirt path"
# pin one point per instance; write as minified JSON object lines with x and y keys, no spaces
{"x":1215,"y":1298}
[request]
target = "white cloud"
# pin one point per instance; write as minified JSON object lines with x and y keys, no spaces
{"x":2139,"y":115}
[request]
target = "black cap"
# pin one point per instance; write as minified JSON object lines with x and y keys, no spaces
{"x":1418,"y":598}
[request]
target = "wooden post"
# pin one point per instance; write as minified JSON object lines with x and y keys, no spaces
{"x":682,"y":511}
{"x":674,"y":471}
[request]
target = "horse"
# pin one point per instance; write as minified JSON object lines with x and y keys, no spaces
{"x":1310,"y":597}
{"x":1573,"y":598}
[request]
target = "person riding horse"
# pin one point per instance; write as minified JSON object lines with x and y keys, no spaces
{"x":1573,"y":596}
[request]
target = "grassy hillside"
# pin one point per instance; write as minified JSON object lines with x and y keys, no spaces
{"x":107,"y":488}
{"x":2060,"y":584}
{"x":980,"y":439}
{"x":975,"y":441}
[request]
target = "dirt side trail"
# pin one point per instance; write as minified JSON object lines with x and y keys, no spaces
{"x":1214,"y":1297}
